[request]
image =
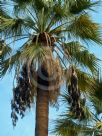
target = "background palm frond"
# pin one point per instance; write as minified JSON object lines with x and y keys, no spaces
{"x":79,"y":54}
{"x":4,"y":49}
{"x":84,"y":28}
{"x":79,"y":6}
{"x":96,"y":97}
{"x":9,"y":63}
{"x":86,"y":82}
{"x":67,"y":127}
{"x":12,"y":26}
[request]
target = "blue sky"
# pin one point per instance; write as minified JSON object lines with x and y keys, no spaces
{"x":25,"y":127}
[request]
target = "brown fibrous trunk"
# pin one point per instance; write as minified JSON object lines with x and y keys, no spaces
{"x":42,"y":108}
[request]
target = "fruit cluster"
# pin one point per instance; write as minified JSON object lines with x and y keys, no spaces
{"x":22,"y":96}
{"x":74,"y":98}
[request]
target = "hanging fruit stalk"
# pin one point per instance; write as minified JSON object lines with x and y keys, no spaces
{"x":74,"y":96}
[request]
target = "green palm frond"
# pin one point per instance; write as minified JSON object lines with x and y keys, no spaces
{"x":3,"y":11}
{"x":85,"y":58}
{"x":4,"y":49}
{"x":32,"y":52}
{"x":99,"y":126}
{"x":12,"y":26}
{"x":9,"y":63}
{"x":86,"y":115}
{"x":67,"y":124}
{"x":60,"y":11}
{"x":79,"y":6}
{"x":40,"y":4}
{"x":97,"y":104}
{"x":27,"y":53}
{"x":42,"y":20}
{"x":22,"y":5}
{"x":98,"y":91}
{"x":83,"y":27}
{"x":96,"y":98}
{"x":86,"y":82}
{"x":67,"y":127}
{"x":79,"y":54}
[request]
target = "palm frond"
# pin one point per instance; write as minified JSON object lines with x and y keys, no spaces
{"x":80,"y":55}
{"x":3,"y":11}
{"x":4,"y":49}
{"x":67,"y":123}
{"x":9,"y":63}
{"x":83,"y":27}
{"x":98,"y":91}
{"x":42,"y":20}
{"x":83,"y":115}
{"x":67,"y":127}
{"x":40,"y":4}
{"x":96,"y":97}
{"x":13,"y":26}
{"x":99,"y":126}
{"x":79,"y":6}
{"x":32,"y":51}
{"x":86,"y":81}
{"x":59,"y":11}
{"x":22,"y":5}
{"x":97,"y":104}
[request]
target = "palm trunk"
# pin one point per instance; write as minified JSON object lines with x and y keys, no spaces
{"x":42,"y":112}
{"x":42,"y":103}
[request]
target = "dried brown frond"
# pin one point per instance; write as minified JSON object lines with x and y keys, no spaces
{"x":54,"y":79}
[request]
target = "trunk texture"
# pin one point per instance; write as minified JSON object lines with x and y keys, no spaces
{"x":42,"y":112}
{"x":42,"y":104}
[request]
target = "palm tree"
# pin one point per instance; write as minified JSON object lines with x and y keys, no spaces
{"x":50,"y":35}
